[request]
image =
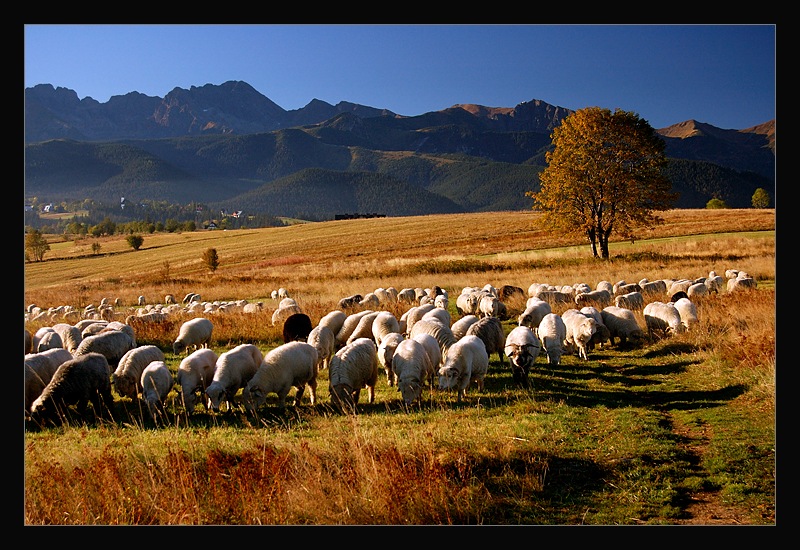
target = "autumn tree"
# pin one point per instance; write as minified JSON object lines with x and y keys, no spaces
{"x":603,"y":176}
{"x":211,"y":259}
{"x":760,"y":198}
{"x":36,"y":245}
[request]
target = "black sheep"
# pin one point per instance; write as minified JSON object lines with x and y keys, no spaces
{"x":297,"y":327}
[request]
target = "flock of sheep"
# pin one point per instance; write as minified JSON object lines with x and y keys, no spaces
{"x":80,"y":363}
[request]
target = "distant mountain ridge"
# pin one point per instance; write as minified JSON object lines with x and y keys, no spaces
{"x":228,"y":145}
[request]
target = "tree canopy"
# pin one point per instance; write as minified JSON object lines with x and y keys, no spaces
{"x":604,"y":175}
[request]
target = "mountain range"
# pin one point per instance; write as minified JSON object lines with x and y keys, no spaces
{"x":232,"y":148}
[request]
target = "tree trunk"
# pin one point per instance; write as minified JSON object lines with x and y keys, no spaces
{"x":604,"y":235}
{"x":593,"y":239}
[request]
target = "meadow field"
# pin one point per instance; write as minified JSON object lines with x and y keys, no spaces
{"x":675,"y":431}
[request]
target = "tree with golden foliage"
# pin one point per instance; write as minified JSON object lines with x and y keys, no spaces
{"x":604,"y":175}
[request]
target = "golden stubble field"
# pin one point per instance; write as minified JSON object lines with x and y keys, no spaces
{"x":329,"y":260}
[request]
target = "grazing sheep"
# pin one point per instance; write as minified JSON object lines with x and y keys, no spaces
{"x":741,"y":282}
{"x":170,"y":299}
{"x":597,"y":298}
{"x":49,"y":340}
{"x":370,"y":301}
{"x":386,"y":353}
{"x":333,"y":320}
{"x":522,"y":347}
{"x":195,"y":334}
{"x":465,"y":362}
{"x":349,"y":325}
{"x":626,"y":288}
{"x":39,"y":370}
{"x":156,"y":384}
{"x":535,"y":311}
{"x":441,"y":301}
{"x":323,"y":340}
{"x":431,"y":346}
{"x":364,"y":327}
{"x":297,"y":327}
{"x":653,"y":288}
{"x":70,"y":336}
{"x":442,"y":333}
{"x":441,"y":314}
{"x":489,"y":306}
{"x":677,"y":296}
{"x":622,"y":324}
{"x":552,"y":334}
{"x":78,"y":381}
{"x":602,"y":335}
{"x":697,"y":289}
{"x":632,"y":300}
{"x":280,"y":315}
{"x":384,"y":323}
{"x":112,"y":344}
{"x":714,"y":283}
{"x":126,"y":379}
{"x":681,"y":285}
{"x":662,"y":317}
{"x":460,"y":327}
{"x":407,"y":296}
{"x":350,"y":302}
{"x":490,"y":331}
{"x":353,"y":368}
{"x":415,"y":314}
{"x":234,"y":370}
{"x":508,"y":292}
{"x":467,"y":302}
{"x":688,"y":312}
{"x":293,"y":364}
{"x":195,"y":374}
{"x":253,"y":307}
{"x":412,"y":367}
{"x":555,"y":297}
{"x":580,"y":330}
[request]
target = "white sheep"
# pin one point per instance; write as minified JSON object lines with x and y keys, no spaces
{"x":280,"y":315}
{"x":323,"y":340}
{"x":714,"y":283}
{"x":490,"y":331}
{"x":412,"y":367}
{"x":605,"y":285}
{"x":555,"y":297}
{"x":193,"y":334}
{"x":467,"y":302}
{"x":651,"y":289}
{"x":414,"y":314}
{"x":441,"y":332}
{"x":78,"y":381}
{"x":552,"y":334}
{"x":253,"y":307}
{"x":194,"y":375}
{"x":407,"y":296}
{"x":602,"y":334}
{"x":580,"y":330}
{"x":441,"y":314}
{"x":688,"y":312}
{"x":112,"y":345}
{"x":333,"y":320}
{"x":489,"y":306}
{"x":364,"y":327}
{"x":597,"y":298}
{"x":622,"y":324}
{"x":349,"y":325}
{"x":697,"y":289}
{"x":431,"y":346}
{"x":290,"y":365}
{"x":353,"y":368}
{"x":384,"y":323}
{"x":126,"y":379}
{"x":70,"y":336}
{"x":386,"y":353}
{"x":633,"y":301}
{"x":459,"y":328}
{"x":39,"y":370}
{"x":535,"y":310}
{"x":234,"y":370}
{"x":662,"y":317}
{"x":741,"y":282}
{"x":370,"y":301}
{"x":466,"y":362}
{"x":49,"y":340}
{"x":522,"y":347}
{"x":156,"y":384}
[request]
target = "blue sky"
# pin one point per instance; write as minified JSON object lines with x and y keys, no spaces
{"x":722,"y":75}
